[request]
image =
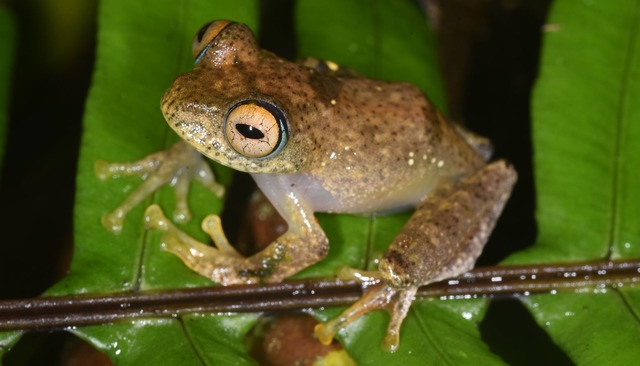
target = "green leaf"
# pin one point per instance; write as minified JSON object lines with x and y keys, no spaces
{"x":6,"y":61}
{"x":586,"y":128}
{"x":190,"y":340}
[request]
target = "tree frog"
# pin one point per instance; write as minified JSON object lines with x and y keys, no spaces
{"x":319,"y":138}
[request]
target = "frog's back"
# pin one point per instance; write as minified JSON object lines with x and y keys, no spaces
{"x":379,"y":145}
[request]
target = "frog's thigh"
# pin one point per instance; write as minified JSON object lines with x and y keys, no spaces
{"x":447,"y":232}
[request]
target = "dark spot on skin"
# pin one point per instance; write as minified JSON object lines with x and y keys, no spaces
{"x":323,"y":251}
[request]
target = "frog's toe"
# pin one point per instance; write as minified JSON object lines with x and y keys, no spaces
{"x":101,"y":169}
{"x":181,"y":215}
{"x":325,"y":332}
{"x":204,"y":175}
{"x":212,"y":225}
{"x":400,"y":307}
{"x":113,"y":221}
{"x":154,"y":219}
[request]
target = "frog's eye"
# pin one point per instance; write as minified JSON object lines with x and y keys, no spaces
{"x":204,"y":37}
{"x":256,"y":129}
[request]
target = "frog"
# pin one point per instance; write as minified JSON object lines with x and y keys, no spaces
{"x":317,"y":137}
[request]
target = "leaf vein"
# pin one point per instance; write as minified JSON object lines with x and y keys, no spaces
{"x":431,"y":339}
{"x":190,"y":341}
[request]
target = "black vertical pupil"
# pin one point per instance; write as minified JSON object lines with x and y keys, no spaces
{"x":249,"y":132}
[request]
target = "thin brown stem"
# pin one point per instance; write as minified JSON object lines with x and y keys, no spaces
{"x":46,"y":313}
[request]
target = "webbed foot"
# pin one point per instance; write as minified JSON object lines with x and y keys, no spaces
{"x":378,"y":295}
{"x":177,"y":166}
{"x":221,"y":263}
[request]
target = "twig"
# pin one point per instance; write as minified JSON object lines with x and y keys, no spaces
{"x":47,"y":313}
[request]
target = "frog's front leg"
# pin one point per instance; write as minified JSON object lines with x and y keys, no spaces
{"x":177,"y":166}
{"x":442,"y":239}
{"x":302,"y":245}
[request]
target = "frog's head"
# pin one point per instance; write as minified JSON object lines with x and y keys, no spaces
{"x":223,"y":109}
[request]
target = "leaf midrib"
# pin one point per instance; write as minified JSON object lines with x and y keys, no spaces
{"x":620,"y":126}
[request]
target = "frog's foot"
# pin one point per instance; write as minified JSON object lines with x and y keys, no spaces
{"x":222,"y":263}
{"x":378,"y":295}
{"x":177,"y":166}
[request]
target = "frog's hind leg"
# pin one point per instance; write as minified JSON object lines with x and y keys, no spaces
{"x":442,"y":239}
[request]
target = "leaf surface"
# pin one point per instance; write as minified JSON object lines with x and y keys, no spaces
{"x":586,"y":128}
